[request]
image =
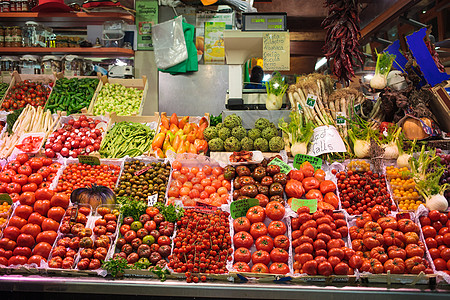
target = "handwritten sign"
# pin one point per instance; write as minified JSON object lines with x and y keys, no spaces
{"x":88,"y":160}
{"x":340,"y":118}
{"x":284,"y":167}
{"x":152,"y":200}
{"x":311,"y":203}
{"x":311,"y":100}
{"x":326,"y":139}
{"x":142,"y":171}
{"x":276,"y":51}
{"x":301,"y":158}
{"x":239,"y":208}
{"x":5,"y":198}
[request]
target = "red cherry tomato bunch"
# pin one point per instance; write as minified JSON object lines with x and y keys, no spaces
{"x":264,"y":247}
{"x":26,"y":174}
{"x":77,"y":137}
{"x":318,"y":243}
{"x":359,"y":192}
{"x":436,"y":231}
{"x":387,"y":243}
{"x":26,"y":92}
{"x":33,"y":228}
{"x":63,"y":255}
{"x":78,"y":175}
{"x":146,"y":240}
{"x":202,"y":243}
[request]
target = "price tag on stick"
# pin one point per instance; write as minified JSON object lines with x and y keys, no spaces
{"x":311,"y":203}
{"x":239,"y":208}
{"x":88,"y":160}
{"x":152,"y":200}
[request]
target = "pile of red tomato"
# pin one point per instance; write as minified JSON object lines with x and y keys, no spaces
{"x":311,"y":184}
{"x":387,"y":243}
{"x":264,"y":247}
{"x":319,"y":245}
{"x":78,"y":175}
{"x":436,"y":231}
{"x":26,"y":175}
{"x":26,"y":92}
{"x":33,"y":228}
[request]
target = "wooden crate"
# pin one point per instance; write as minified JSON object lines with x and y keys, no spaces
{"x":422,"y":279}
{"x":441,"y":107}
{"x":141,"y":84}
{"x":16,"y":77}
{"x":94,"y":96}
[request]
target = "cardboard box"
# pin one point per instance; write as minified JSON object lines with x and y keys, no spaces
{"x":441,"y":107}
{"x":141,"y":84}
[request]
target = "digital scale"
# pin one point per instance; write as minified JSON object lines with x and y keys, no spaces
{"x":240,"y":46}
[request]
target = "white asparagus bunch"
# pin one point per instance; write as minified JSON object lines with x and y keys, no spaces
{"x":30,"y":120}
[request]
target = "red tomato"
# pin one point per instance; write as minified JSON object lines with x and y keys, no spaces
{"x":44,"y":194}
{"x":310,"y":267}
{"x":258,"y":229}
{"x":281,"y":241}
{"x":35,"y":178}
{"x":17,"y":260}
{"x":22,"y":158}
{"x":42,"y":206}
{"x":242,"y":255}
{"x":60,"y":199}
{"x":259,"y":268}
{"x":260,"y":256}
{"x":264,"y":243}
{"x":43,"y":249}
{"x":11,"y":232}
{"x":241,"y":267}
{"x":17,"y":221}
{"x":36,"y":163}
{"x":31,"y":229}
{"x":25,"y":240}
{"x":243,"y":239}
{"x":50,"y":224}
{"x":279,"y":255}
{"x":35,"y":259}
{"x":23,"y":211}
{"x":48,"y":236}
{"x":25,"y":170}
{"x":56,"y":213}
{"x":30,"y":187}
{"x":241,"y":224}
{"x":276,"y":228}
{"x":27,"y":198}
{"x":275,"y":210}
{"x":256,"y":214}
{"x":279,"y":268}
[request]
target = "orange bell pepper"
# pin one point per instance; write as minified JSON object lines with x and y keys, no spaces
{"x":159,"y":153}
{"x":158,"y":141}
{"x":174,"y":119}
{"x":192,"y":149}
{"x":201,"y":145}
{"x":190,"y":137}
{"x":187,"y":128}
{"x":203,"y":121}
{"x":165,"y":122}
{"x":183,"y":121}
{"x":177,"y":141}
{"x":173,"y":128}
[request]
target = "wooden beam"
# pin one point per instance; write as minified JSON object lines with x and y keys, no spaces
{"x":308,"y":35}
{"x":307,"y":48}
{"x":388,"y":15}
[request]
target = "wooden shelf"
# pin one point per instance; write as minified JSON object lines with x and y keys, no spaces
{"x":64,"y":19}
{"x":96,"y":52}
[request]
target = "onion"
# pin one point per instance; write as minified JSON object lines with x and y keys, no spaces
{"x":403,"y":160}
{"x":437,"y":202}
{"x":298,"y":148}
{"x":361,"y":148}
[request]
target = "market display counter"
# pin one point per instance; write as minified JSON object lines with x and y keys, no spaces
{"x":172,"y":288}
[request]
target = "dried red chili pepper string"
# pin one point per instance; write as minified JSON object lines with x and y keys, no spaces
{"x":341,"y":43}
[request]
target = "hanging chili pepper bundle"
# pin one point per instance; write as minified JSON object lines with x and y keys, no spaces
{"x":341,"y":43}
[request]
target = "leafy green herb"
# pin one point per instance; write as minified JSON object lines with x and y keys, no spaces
{"x":160,"y":272}
{"x":276,"y":85}
{"x":384,"y":63}
{"x":213,"y":121}
{"x":115,"y":266}
{"x":12,"y":118}
{"x":131,"y":207}
{"x":171,"y":213}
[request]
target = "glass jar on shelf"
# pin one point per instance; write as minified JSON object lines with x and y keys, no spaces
{"x":50,"y":64}
{"x":8,"y":64}
{"x":5,"y":6}
{"x":2,"y":36}
{"x":16,"y":36}
{"x":29,"y":64}
{"x":8,"y":37}
{"x":73,"y":65}
{"x":30,"y":34}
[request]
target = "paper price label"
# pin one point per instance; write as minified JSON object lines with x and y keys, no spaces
{"x":311,"y":100}
{"x":357,"y":108}
{"x":239,"y":208}
{"x":326,"y":139}
{"x":152,"y":200}
{"x":340,"y":118}
{"x":299,"y":107}
{"x":284,"y":167}
{"x":142,"y":171}
{"x":89,"y":160}
{"x":316,"y":162}
{"x":311,"y":203}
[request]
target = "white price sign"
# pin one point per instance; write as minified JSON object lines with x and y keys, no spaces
{"x":152,"y":200}
{"x":326,"y":139}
